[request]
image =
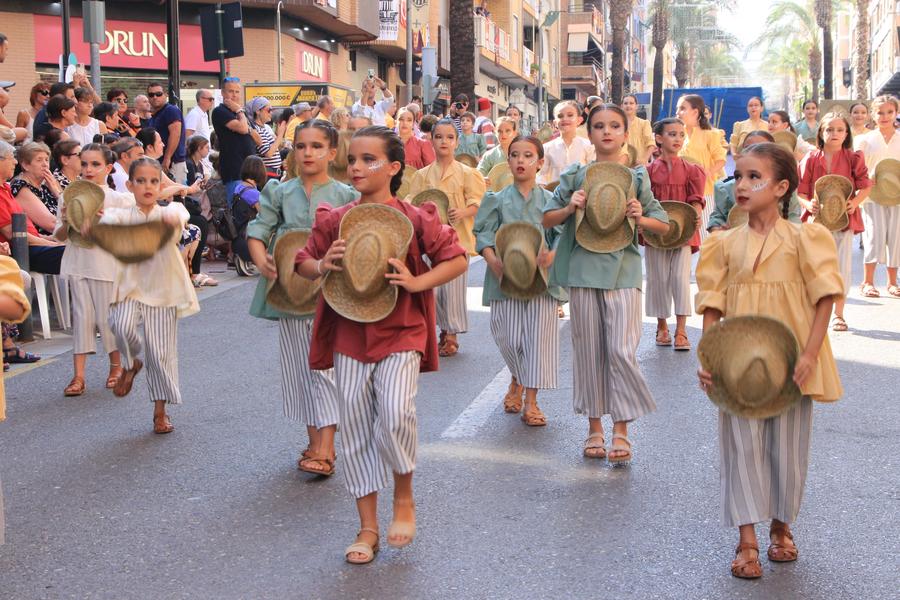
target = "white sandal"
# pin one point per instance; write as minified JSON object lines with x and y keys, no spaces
{"x":619,"y":460}
{"x":362,"y":548}
{"x":592,"y":445}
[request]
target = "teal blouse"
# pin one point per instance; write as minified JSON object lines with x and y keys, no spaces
{"x":575,"y":266}
{"x":724,"y":196}
{"x":509,"y":206}
{"x":491,"y":158}
{"x":471,"y":143}
{"x":284,"y":206}
{"x":805,"y":131}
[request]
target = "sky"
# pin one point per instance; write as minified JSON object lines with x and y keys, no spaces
{"x":747,"y":22}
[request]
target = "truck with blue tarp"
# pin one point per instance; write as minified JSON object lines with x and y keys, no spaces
{"x":728,"y":104}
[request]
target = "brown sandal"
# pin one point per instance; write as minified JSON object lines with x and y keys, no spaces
{"x":115,"y":373}
{"x":75,"y":387}
{"x":534,"y":417}
{"x":746,"y":568}
{"x":779,"y":552}
{"x":162,"y":425}
{"x":512,"y":402}
{"x":681,"y":341}
{"x":663,"y":338}
{"x":123,"y":385}
{"x":305,"y":466}
{"x":450,"y":346}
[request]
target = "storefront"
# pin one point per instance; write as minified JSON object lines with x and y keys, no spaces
{"x":288,"y":93}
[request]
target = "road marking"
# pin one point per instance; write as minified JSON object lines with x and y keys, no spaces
{"x":16,"y":371}
{"x":479,"y":411}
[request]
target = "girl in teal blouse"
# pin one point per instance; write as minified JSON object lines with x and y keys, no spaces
{"x":469,"y":141}
{"x":604,"y":295}
{"x":506,"y":131}
{"x":309,"y":396}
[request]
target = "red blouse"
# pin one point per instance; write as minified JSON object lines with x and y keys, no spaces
{"x":848,"y":163}
{"x":411,"y":326}
{"x":685,"y":182}
{"x":419,"y":152}
{"x":9,"y":206}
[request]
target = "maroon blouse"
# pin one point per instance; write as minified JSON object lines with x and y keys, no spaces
{"x":848,"y":163}
{"x":685,"y":182}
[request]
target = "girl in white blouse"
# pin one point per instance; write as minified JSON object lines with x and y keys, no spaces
{"x":568,"y":149}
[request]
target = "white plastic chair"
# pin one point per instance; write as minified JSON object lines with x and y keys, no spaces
{"x":59,"y":289}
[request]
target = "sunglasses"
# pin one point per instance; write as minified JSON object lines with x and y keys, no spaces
{"x":123,"y":100}
{"x":155,"y":94}
{"x":232,"y":80}
{"x":44,"y":92}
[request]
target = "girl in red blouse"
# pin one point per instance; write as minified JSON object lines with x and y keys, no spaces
{"x":377,"y":364}
{"x":419,"y":153}
{"x":835,"y":156}
{"x":669,"y":271}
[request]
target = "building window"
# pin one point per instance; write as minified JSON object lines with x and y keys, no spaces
{"x":515,"y":33}
{"x":383,"y":65}
{"x":353,"y":60}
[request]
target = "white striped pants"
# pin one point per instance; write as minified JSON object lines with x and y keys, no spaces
{"x":378,"y":419}
{"x":706,"y":214}
{"x":606,"y":330}
{"x":450,"y":305}
{"x":90,"y":310}
{"x":668,"y":280}
{"x":310,"y":397}
{"x":881,"y":239}
{"x":527,"y":334}
{"x":844,"y":242}
{"x":763,"y":465}
{"x":160,"y":325}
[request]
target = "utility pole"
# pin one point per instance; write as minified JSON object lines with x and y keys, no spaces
{"x":67,"y":44}
{"x":278,"y":34}
{"x":172,"y":22}
{"x":409,"y":52}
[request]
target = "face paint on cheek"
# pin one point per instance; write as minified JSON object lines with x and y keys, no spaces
{"x":320,"y":155}
{"x":377,"y":165}
{"x":758,"y":187}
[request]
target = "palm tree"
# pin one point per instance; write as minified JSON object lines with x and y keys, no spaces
{"x":823,"y":20}
{"x":716,"y":65}
{"x":619,"y":14}
{"x":790,"y":62}
{"x":788,"y":20}
{"x":462,"y":42}
{"x":692,"y":30}
{"x":660,"y":20}
{"x":861,"y":66}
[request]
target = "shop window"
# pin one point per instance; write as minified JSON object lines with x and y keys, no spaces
{"x":353,"y":60}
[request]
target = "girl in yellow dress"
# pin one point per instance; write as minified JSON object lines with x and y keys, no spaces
{"x":789,"y":272}
{"x":754,"y":123}
{"x":640,"y":134}
{"x":702,"y":145}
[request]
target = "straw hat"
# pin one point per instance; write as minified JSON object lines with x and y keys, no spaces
{"x":552,"y":185}
{"x":752,"y":361}
{"x":500,"y":176}
{"x":518,"y":245}
{"x":82,"y":199}
{"x":787,"y":139}
{"x":545,"y":133}
{"x":832,"y":192}
{"x":134,"y":243}
{"x":886,"y":187}
{"x":602,"y":226}
{"x":682,"y":226}
{"x":438,"y":197}
{"x":467,"y":159}
{"x":291,"y":293}
{"x":608,"y":172}
{"x":374,"y":233}
{"x":408,"y":173}
{"x":737,"y":216}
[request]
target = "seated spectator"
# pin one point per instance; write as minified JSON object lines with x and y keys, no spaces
{"x":197,"y":151}
{"x":85,"y":126}
{"x":36,"y":189}
{"x":259,"y":110}
{"x":106,"y":114}
{"x":66,"y":161}
{"x":14,"y":308}
{"x":40,"y":94}
{"x":128,"y":123}
{"x":127,"y":150}
{"x":58,"y":88}
{"x":60,"y":114}
{"x":243,"y":209}
{"x":53,"y":137}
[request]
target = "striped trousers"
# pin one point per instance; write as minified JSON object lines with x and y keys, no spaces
{"x":309,"y":396}
{"x":668,"y":280}
{"x":844,"y":242}
{"x":377,"y":419}
{"x":881,"y":239}
{"x":606,"y":330}
{"x":706,"y":214}
{"x":527,"y":334}
{"x":90,"y":310}
{"x":160,"y":333}
{"x":763,"y":465}
{"x":450,"y":305}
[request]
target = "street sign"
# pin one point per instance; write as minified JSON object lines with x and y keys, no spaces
{"x":232,"y":42}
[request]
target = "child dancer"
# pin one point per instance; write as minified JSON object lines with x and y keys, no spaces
{"x":794,"y":269}
{"x":91,"y":273}
{"x":464,"y":187}
{"x":376,"y":365}
{"x":155,"y":293}
{"x":469,"y":141}
{"x":779,"y":120}
{"x":569,"y":148}
{"x":702,"y":145}
{"x":507,"y":129}
{"x":525,"y":331}
{"x":669,"y":271}
{"x":835,"y":156}
{"x":881,"y":239}
{"x":309,"y":397}
{"x":605,"y":296}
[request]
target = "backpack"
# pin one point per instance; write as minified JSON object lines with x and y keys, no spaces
{"x":217,"y":211}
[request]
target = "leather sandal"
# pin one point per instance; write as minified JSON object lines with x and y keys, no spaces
{"x":162,"y":425}
{"x":869,"y":291}
{"x":663,"y":338}
{"x":595,"y":441}
{"x":681,"y":341}
{"x":368,"y":551}
{"x":123,"y":385}
{"x":75,"y":387}
{"x":450,"y":347}
{"x":308,"y":465}
{"x":512,"y":402}
{"x":779,"y":552}
{"x":115,"y":373}
{"x":839,"y":324}
{"x":893,"y":290}
{"x":621,"y":459}
{"x":402,"y":529}
{"x":746,"y":568}
{"x":534,"y":416}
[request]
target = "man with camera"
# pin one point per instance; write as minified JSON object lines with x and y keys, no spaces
{"x":366,"y":106}
{"x":459,"y":107}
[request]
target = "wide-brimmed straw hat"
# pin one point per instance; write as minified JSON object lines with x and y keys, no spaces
{"x":406,"y":182}
{"x":737,"y":216}
{"x":82,"y":199}
{"x":602,"y":225}
{"x":832,"y":192}
{"x":439,"y":198}
{"x":500,"y":176}
{"x":467,"y":159}
{"x":786,"y":139}
{"x":886,"y":182}
{"x":682,"y":226}
{"x":289,"y":292}
{"x":134,"y":243}
{"x":751,"y":360}
{"x":518,"y":246}
{"x":608,"y":172}
{"x":374,"y":233}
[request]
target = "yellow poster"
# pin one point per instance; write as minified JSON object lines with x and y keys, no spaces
{"x":285,"y":95}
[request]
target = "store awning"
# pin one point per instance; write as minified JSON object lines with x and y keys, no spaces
{"x":578,"y":42}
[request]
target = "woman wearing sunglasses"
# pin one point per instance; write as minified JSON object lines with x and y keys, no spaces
{"x":128,"y":123}
{"x":40,"y":94}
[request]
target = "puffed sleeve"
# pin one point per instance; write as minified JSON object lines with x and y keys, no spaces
{"x":487,"y":222}
{"x":324,"y":231}
{"x":487,"y":162}
{"x":696,"y":184}
{"x":735,"y":134}
{"x":716,"y":151}
{"x":712,"y":274}
{"x":550,"y":235}
{"x":268,"y":214}
{"x":861,"y":179}
{"x":647,"y":134}
{"x":652,"y":208}
{"x":819,"y":263}
{"x":416,"y":185}
{"x":805,"y":185}
{"x":722,"y":196}
{"x":427,"y":151}
{"x":473,"y":186}
{"x":570,"y":181}
{"x":439,"y":242}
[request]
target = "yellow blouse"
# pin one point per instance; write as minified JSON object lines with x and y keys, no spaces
{"x":703,"y":146}
{"x":464,"y":187}
{"x":11,"y":285}
{"x":797,"y":266}
{"x":745,"y":126}
{"x":640,"y":135}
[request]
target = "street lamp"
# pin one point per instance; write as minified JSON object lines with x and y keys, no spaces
{"x":549,"y":20}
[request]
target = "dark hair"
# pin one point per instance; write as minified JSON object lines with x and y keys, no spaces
{"x":146,"y":136}
{"x":785,"y":117}
{"x":468,"y":115}
{"x":659,"y":127}
{"x":630,"y":96}
{"x":154,"y":84}
{"x":53,"y":137}
{"x":783,"y":164}
{"x":820,"y":139}
{"x":125,"y":144}
{"x":805,"y":102}
{"x":254,"y":168}
{"x":448,"y":123}
{"x":758,"y":99}
{"x":603,"y":108}
{"x":115,"y":93}
{"x":855,"y":104}
{"x":757,"y":133}
{"x":104,"y":110}
{"x":109,"y":138}
{"x":2,"y":38}
{"x":57,"y":105}
{"x":461,"y":98}
{"x":531,"y":140}
{"x":62,"y":148}
{"x":84,"y":94}
{"x":696,"y":101}
{"x":37,"y":89}
{"x":512,"y":107}
{"x":194,"y":143}
{"x":427,"y":123}
{"x":143,"y":161}
{"x":393,"y":148}
{"x":324,"y":127}
{"x":109,"y":157}
{"x":60,"y":88}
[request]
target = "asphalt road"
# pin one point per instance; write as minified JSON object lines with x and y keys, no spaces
{"x":99,"y":507}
